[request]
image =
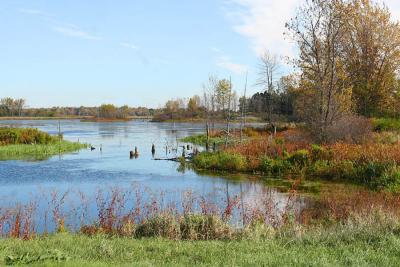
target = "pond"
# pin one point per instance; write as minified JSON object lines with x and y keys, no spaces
{"x":93,"y":176}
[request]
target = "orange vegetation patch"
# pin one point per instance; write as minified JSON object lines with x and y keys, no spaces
{"x":340,"y":205}
{"x":369,"y":152}
{"x":265,"y":146}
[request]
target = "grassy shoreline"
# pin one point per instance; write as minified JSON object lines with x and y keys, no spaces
{"x":39,"y":151}
{"x":32,"y":144}
{"x":355,"y":243}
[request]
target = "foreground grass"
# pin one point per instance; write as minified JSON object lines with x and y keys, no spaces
{"x":38,"y":151}
{"x":341,"y":246}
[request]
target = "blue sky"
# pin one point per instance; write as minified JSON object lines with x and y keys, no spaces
{"x":89,"y":52}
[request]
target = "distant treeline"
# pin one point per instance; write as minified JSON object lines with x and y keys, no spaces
{"x":10,"y":107}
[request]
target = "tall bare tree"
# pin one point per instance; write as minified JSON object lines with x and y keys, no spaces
{"x":209,"y":103}
{"x":268,"y":68}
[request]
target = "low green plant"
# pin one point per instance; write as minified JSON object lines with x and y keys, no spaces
{"x":221,"y":161}
{"x":201,"y":140}
{"x":203,"y":227}
{"x":300,"y":157}
{"x":386,"y":124}
{"x":164,"y":225}
{"x":274,"y":166}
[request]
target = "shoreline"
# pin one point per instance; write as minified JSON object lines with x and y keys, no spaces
{"x":87,"y":118}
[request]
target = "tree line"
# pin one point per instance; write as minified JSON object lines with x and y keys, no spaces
{"x":10,"y":107}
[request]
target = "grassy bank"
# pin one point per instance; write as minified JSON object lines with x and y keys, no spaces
{"x":355,"y":243}
{"x":38,"y":152}
{"x":27,"y":143}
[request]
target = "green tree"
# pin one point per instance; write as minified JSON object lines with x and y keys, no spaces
{"x":223,"y":91}
{"x":193,"y":105}
{"x":108,"y":111}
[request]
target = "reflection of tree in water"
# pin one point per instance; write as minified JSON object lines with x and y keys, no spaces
{"x":106,"y":130}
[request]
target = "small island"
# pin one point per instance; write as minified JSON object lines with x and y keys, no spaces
{"x":29,"y":143}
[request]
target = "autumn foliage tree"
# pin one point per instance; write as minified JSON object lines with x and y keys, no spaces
{"x":319,"y":30}
{"x":372,"y":53}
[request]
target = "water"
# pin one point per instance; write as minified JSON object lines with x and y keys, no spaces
{"x":89,"y":172}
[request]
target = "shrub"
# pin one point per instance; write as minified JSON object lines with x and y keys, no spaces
{"x":164,"y":225}
{"x":14,"y":136}
{"x":274,"y":166}
{"x":320,"y":169}
{"x":222,"y":161}
{"x":299,"y":157}
{"x":319,"y":153}
{"x":203,"y":227}
{"x":251,"y":132}
{"x":351,"y":129}
{"x":386,"y":124}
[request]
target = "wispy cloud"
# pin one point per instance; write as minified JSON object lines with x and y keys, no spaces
{"x":73,"y":31}
{"x":226,"y":63}
{"x":129,"y":45}
{"x":30,"y":11}
{"x":34,"y":12}
{"x":215,"y":49}
{"x":263,"y":22}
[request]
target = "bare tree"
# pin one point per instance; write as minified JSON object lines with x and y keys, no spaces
{"x":19,"y":104}
{"x":209,"y":100}
{"x":243,"y":109}
{"x":268,"y":68}
{"x":228,"y":112}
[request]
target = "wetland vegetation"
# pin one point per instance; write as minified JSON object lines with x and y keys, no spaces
{"x":29,"y":143}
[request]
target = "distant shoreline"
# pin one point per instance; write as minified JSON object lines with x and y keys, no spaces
{"x":82,"y":118}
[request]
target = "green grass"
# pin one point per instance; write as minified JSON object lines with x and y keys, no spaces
{"x":371,"y":243}
{"x":386,"y":124}
{"x":33,"y":144}
{"x":39,"y":151}
{"x":201,"y":139}
{"x":220,"y":161}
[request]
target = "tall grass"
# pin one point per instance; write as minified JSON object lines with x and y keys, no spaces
{"x":38,"y":152}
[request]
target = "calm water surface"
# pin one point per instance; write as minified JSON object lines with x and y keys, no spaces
{"x":88,"y":172}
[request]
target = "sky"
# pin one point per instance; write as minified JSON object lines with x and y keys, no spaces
{"x":135,"y":52}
